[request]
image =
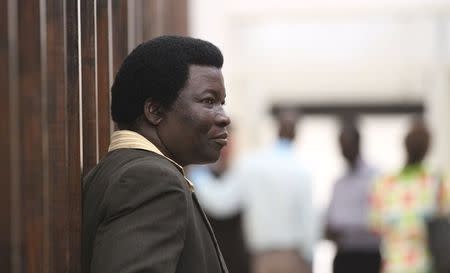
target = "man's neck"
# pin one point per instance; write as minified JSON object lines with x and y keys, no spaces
{"x":152,"y":135}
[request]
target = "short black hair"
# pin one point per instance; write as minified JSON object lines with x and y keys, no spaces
{"x":349,"y":126}
{"x":157,"y":69}
{"x":417,"y":140}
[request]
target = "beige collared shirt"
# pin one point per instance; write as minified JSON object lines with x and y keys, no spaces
{"x":125,"y":139}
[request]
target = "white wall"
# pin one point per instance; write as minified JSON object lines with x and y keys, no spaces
{"x":330,"y":51}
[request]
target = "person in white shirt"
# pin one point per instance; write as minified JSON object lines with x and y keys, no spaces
{"x":274,"y":192}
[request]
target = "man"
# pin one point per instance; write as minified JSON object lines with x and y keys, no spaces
{"x":347,"y":224}
{"x":139,"y":211}
{"x":273,"y":190}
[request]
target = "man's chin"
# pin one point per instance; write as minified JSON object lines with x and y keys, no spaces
{"x":210,"y":158}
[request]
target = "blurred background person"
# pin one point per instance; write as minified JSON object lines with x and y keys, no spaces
{"x":274,"y":191}
{"x":278,"y":215}
{"x":346,"y":220}
{"x":400,"y":204}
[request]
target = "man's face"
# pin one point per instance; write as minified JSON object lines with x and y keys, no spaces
{"x":193,"y":130}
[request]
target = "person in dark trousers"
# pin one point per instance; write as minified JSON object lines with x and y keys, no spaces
{"x":140,"y":213}
{"x":348,"y":213}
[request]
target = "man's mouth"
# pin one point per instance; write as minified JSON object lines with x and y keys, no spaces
{"x":221,"y":139}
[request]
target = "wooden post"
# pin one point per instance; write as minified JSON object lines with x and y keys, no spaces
{"x":73,"y":138}
{"x":89,"y":85}
{"x":33,"y":171}
{"x":103,"y":63}
{"x":5,"y":142}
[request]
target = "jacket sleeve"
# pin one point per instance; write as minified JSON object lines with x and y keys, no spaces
{"x":145,"y":223}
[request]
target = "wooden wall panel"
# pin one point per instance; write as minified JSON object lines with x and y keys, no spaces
{"x":73,"y":138}
{"x":119,"y":33}
{"x":31,"y":136}
{"x":57,"y":209}
{"x":5,"y":142}
{"x":14,"y":149}
{"x":138,"y":23}
{"x":161,"y":17}
{"x":103,"y":63}
{"x":55,"y":104}
{"x":175,"y":17}
{"x":153,"y":22}
{"x":89,"y":85}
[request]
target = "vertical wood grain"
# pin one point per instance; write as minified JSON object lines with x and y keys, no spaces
{"x":73,"y":137}
{"x":5,"y":142}
{"x":31,"y":156}
{"x":58,"y":228}
{"x":175,"y":17}
{"x":119,"y":32}
{"x":89,"y":85}
{"x":103,"y":63}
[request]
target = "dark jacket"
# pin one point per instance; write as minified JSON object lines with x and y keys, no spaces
{"x":139,"y":215}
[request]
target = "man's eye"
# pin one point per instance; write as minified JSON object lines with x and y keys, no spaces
{"x":208,"y":101}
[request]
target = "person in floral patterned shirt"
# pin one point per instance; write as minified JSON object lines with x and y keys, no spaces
{"x":400,"y":204}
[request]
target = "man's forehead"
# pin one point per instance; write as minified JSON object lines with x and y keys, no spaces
{"x":203,"y":71}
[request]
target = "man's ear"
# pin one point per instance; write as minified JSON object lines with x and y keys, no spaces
{"x":153,"y":112}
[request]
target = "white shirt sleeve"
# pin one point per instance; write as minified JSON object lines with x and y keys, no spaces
{"x":306,"y":220}
{"x":220,"y":197}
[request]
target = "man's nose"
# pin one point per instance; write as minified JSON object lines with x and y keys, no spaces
{"x":222,"y":119}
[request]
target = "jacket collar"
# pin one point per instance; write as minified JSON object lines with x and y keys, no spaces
{"x":126,"y":139}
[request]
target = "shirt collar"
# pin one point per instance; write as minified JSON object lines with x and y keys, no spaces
{"x":125,"y":139}
{"x":412,"y":171}
{"x":284,"y":145}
